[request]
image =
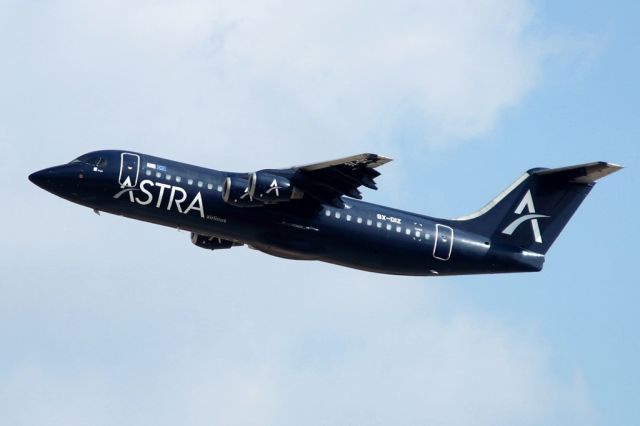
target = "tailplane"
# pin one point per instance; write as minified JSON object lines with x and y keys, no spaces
{"x":532,"y":212}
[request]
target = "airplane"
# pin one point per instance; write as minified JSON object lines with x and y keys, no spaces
{"x":314,"y":212}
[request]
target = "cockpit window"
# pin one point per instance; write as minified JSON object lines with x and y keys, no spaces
{"x":91,"y":160}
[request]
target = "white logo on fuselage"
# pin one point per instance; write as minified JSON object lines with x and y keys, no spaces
{"x":274,"y":187}
{"x":127,"y":183}
{"x":175,"y":199}
{"x":527,"y":202}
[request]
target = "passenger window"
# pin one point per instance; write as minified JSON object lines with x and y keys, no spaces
{"x":388,"y":227}
{"x":418,"y":234}
{"x":407,"y":231}
{"x":209,"y":186}
{"x":219,"y":188}
{"x":369,"y":222}
{"x":398,"y":228}
{"x":337,"y":215}
{"x":378,"y":224}
{"x":190,"y":181}
{"x":158,"y":174}
{"x":327,"y":212}
{"x":359,"y":220}
{"x":178,"y":179}
{"x":168,"y":177}
{"x":348,"y":218}
{"x":200,"y":184}
{"x":148,"y":172}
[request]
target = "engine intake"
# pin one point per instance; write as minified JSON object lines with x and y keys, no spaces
{"x":235,"y":191}
{"x":211,"y":243}
{"x":271,"y":189}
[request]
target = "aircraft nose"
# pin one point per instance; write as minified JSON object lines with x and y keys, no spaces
{"x":39,"y":177}
{"x":59,"y":180}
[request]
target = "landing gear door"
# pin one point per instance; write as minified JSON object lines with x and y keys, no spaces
{"x":444,"y":242}
{"x":129,"y":170}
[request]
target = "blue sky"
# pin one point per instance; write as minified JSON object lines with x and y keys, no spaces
{"x":106,"y":320}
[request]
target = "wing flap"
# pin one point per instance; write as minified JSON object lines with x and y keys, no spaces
{"x":328,"y":181}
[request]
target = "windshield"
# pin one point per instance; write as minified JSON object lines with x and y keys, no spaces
{"x":92,"y":160}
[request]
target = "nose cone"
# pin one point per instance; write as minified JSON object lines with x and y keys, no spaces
{"x":39,"y":178}
{"x":65,"y":181}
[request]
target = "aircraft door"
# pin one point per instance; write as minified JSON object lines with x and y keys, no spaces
{"x":443,"y":243}
{"x":129,"y":169}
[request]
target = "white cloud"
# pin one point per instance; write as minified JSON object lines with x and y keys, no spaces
{"x":272,"y":77}
{"x":170,"y":333}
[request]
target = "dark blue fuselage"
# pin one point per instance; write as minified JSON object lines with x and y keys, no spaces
{"x":361,"y":235}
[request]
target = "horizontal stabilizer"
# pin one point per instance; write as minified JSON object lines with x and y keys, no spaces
{"x":582,"y":173}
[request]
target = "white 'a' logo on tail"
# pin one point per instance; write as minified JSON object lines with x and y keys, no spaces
{"x":527,"y":202}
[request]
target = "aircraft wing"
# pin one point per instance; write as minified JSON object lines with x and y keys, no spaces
{"x":328,"y":181}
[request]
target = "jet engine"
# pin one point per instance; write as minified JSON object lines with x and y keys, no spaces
{"x":271,"y":189}
{"x":211,"y":243}
{"x":235,"y":191}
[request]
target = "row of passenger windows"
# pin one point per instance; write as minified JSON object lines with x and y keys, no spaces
{"x":178,"y":179}
{"x":388,"y":226}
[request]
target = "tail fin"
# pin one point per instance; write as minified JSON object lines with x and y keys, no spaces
{"x":532,"y":212}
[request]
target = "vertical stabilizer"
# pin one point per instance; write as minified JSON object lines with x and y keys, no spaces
{"x":532,"y":212}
